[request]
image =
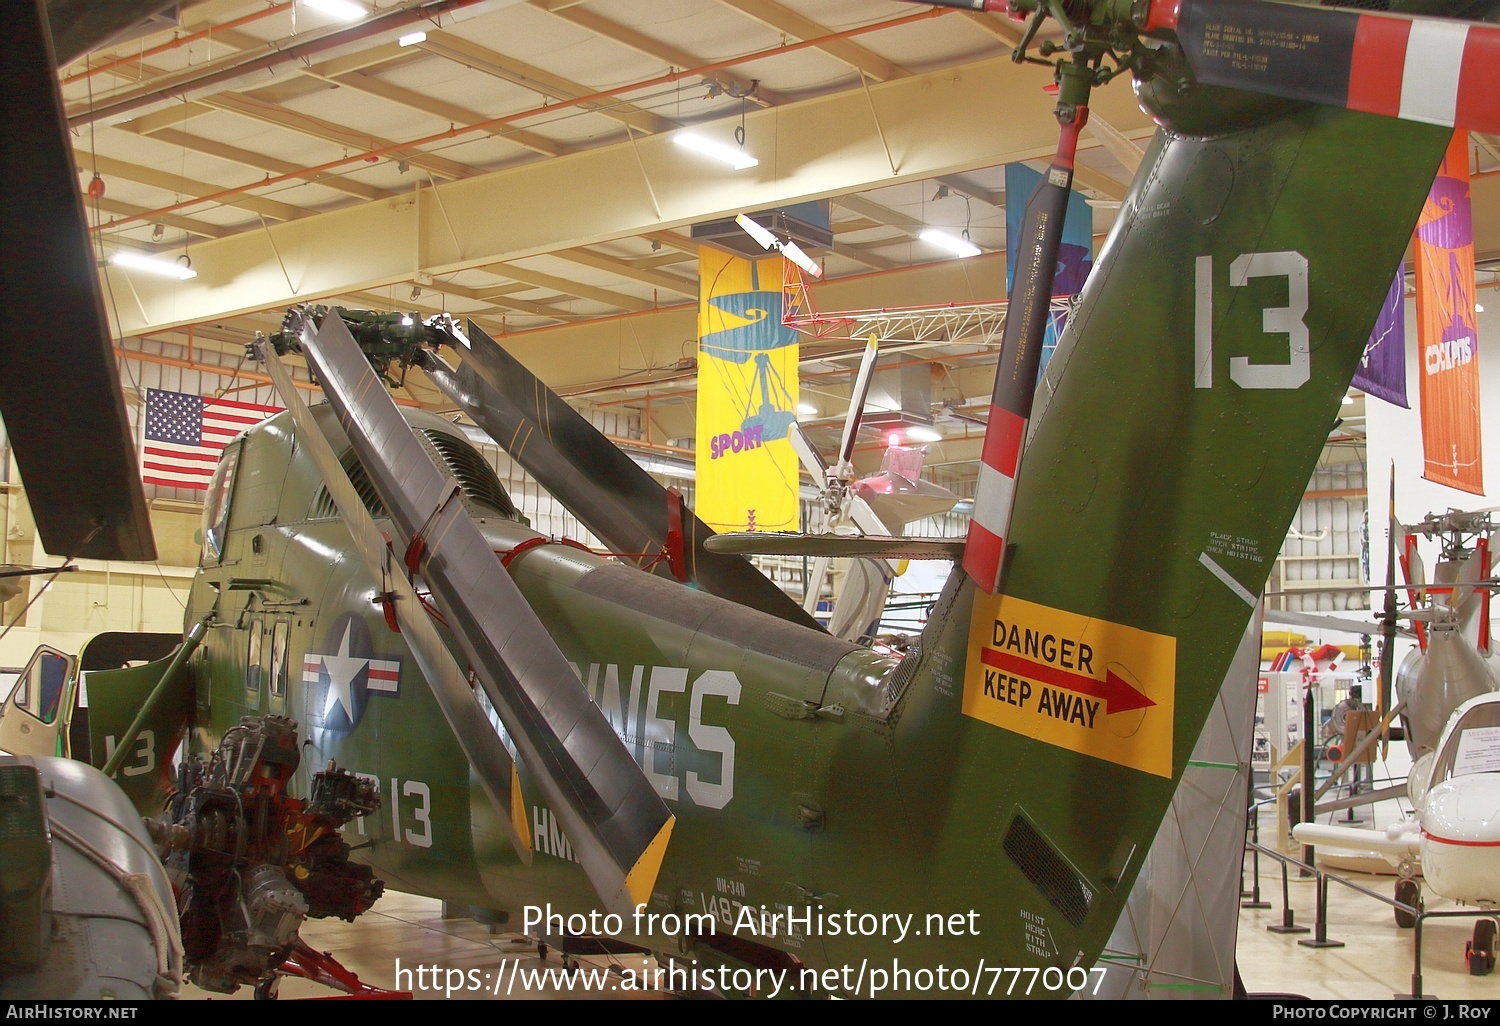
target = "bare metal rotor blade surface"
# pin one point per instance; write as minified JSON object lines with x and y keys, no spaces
{"x":617,"y":823}
{"x":838,"y":546}
{"x":609,"y":493}
{"x":482,"y":746}
{"x":59,"y":389}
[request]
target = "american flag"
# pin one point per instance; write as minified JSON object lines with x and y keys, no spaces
{"x":185,"y":434}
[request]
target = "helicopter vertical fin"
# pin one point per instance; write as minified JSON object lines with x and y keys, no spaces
{"x":612,"y":496}
{"x":1179,"y":422}
{"x":610,"y":811}
{"x":481,"y":745}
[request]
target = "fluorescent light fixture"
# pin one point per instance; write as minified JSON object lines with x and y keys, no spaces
{"x":153,"y":265}
{"x":807,"y":409}
{"x":952,"y":243}
{"x":346,"y":9}
{"x":413,"y":38}
{"x":735,"y":158}
{"x":921,"y":433}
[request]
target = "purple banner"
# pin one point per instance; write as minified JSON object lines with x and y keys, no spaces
{"x":1382,"y":370}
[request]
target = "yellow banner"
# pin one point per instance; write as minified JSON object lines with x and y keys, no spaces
{"x":747,"y":397}
{"x":1090,"y":686}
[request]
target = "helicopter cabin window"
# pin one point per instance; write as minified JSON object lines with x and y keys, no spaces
{"x":280,"y":633}
{"x":253,"y":672}
{"x":39,"y":690}
{"x":1473,"y":745}
{"x":216,"y":510}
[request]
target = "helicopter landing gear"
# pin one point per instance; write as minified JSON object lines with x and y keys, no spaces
{"x":1479,"y":953}
{"x":1408,"y":892}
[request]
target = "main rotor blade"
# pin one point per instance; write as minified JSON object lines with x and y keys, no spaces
{"x":450,"y":686}
{"x":59,"y":389}
{"x":617,"y":823}
{"x":605,"y":489}
{"x":1436,"y":70}
{"x":839,"y":546}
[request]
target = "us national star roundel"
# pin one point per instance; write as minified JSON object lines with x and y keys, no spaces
{"x":345,"y":675}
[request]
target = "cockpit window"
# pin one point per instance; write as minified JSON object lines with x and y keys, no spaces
{"x":1473,"y":746}
{"x":216,"y":510}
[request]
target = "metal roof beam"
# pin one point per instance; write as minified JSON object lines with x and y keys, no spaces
{"x":544,"y":83}
{"x":933,"y":125}
{"x":181,"y":186}
{"x":599,"y":261}
{"x":797,"y":27}
{"x":733,"y":84}
{"x":262,"y":162}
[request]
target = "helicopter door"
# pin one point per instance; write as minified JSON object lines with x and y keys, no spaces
{"x":35,"y":718}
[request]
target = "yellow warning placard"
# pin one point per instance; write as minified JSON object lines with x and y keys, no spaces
{"x":1088,"y":685}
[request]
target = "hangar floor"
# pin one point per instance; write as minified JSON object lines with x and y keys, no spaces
{"x":1375,"y":961}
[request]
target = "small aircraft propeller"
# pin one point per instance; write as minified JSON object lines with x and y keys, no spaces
{"x":850,"y":510}
{"x":771,"y":244}
{"x":843,"y":511}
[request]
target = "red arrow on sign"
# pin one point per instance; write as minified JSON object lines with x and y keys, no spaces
{"x":1116,"y":691}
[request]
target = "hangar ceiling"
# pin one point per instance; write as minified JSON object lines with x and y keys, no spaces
{"x":516,"y":165}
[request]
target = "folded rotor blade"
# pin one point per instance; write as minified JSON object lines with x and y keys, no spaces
{"x":59,"y":389}
{"x":618,"y":825}
{"x":1436,"y":70}
{"x":450,"y":686}
{"x":605,"y":489}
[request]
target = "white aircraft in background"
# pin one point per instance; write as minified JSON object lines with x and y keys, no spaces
{"x":1455,"y":832}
